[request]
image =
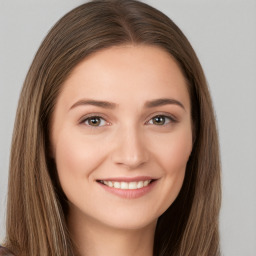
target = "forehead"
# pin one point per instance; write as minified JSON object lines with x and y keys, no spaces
{"x":138,"y":72}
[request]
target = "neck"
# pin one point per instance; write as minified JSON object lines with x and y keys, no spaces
{"x":96,"y":239}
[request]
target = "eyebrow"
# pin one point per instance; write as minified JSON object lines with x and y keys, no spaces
{"x":97,"y":103}
{"x":111,"y":105}
{"x":162,"y":102}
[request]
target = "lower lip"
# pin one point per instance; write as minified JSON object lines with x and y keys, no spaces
{"x":129,"y":193}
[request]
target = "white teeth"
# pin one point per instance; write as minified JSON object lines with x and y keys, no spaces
{"x":117,"y":184}
{"x":132,"y":185}
{"x":126,"y":185}
{"x":146,"y":182}
{"x":140,"y":184}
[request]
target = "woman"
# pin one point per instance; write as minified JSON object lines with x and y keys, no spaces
{"x":115,"y":147}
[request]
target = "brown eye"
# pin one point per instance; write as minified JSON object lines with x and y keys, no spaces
{"x":95,"y":121}
{"x":160,"y":120}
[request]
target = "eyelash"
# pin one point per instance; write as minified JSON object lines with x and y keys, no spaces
{"x":166,"y":117}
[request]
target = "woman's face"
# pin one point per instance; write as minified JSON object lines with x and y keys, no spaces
{"x":121,"y":136}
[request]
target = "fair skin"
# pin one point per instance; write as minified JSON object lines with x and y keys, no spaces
{"x":121,"y":137}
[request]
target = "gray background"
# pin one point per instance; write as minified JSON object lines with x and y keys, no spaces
{"x":223,"y":33}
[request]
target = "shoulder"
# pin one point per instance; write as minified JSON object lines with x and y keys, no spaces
{"x":5,"y":252}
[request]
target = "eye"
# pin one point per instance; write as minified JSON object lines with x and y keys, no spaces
{"x":160,"y":120}
{"x":95,"y":121}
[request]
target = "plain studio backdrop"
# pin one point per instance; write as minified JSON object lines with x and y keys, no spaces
{"x":223,"y":34}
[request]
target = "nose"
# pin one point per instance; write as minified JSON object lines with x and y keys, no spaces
{"x":130,"y":149}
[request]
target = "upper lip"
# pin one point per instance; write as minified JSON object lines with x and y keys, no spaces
{"x":128,"y":179}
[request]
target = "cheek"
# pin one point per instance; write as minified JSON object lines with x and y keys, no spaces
{"x":172,"y":156}
{"x":76,"y":158}
{"x":173,"y":152}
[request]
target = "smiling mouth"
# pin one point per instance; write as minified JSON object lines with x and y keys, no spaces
{"x":126,"y":185}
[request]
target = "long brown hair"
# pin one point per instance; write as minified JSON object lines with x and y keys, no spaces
{"x":37,"y":206}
